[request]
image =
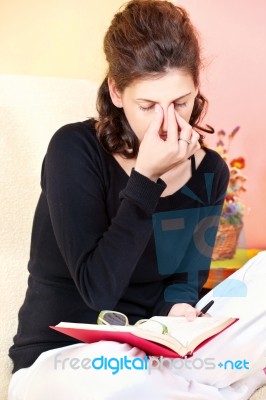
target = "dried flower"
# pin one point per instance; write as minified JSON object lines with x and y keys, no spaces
{"x":238,"y":163}
{"x":233,"y":208}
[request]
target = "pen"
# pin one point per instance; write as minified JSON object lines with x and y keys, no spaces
{"x":206,"y":308}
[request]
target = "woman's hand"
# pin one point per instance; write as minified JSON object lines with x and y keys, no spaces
{"x":157,"y":156}
{"x":184,"y":310}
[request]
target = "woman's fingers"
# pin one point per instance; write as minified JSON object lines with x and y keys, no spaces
{"x":183,"y":124}
{"x":157,"y":156}
{"x":156,"y":122}
{"x":194,"y":144}
{"x":183,"y":310}
{"x":180,"y":130}
{"x":187,"y":136}
{"x":185,"y":128}
{"x":194,"y":138}
{"x":190,"y":313}
{"x":172,"y":126}
{"x":186,"y":310}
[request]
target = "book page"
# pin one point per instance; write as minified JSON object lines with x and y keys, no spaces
{"x":187,"y":331}
{"x":182,"y":337}
{"x":95,"y":327}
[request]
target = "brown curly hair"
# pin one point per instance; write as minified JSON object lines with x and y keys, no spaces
{"x":145,"y":40}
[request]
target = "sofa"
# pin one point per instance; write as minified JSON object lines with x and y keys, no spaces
{"x":31,"y":109}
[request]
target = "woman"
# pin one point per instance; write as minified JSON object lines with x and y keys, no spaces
{"x":105,"y":186}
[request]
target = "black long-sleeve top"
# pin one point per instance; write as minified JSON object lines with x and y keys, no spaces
{"x":100,"y":240}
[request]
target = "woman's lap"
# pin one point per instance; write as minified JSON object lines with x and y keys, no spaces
{"x":56,"y":375}
{"x":65,"y":372}
{"x":53,"y":376}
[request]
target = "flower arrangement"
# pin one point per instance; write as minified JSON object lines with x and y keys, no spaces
{"x":233,"y":208}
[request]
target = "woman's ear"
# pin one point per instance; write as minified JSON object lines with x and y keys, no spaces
{"x":115,"y":94}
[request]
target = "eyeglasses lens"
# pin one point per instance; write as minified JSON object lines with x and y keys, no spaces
{"x":113,"y":318}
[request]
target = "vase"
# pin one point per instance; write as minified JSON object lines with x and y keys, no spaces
{"x":226,"y":241}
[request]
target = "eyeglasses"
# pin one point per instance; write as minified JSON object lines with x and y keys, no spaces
{"x":107,"y":317}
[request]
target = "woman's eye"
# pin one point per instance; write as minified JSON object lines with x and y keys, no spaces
{"x":146,"y":108}
{"x":177,"y":106}
{"x":180,"y":105}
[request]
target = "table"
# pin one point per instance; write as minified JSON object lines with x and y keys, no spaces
{"x":221,"y":269}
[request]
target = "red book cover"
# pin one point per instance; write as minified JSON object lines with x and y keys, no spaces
{"x":91,"y":336}
{"x":151,"y":348}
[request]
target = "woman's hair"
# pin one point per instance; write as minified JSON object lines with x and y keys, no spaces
{"x":144,"y":41}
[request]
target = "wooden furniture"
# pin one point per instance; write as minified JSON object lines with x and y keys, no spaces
{"x":220,"y":270}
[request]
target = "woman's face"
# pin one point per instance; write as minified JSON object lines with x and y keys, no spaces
{"x":138,"y":99}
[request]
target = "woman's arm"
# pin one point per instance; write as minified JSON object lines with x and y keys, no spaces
{"x":101,"y":255}
{"x":190,"y":257}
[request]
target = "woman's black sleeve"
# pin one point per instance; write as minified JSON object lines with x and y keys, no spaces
{"x":101,"y":255}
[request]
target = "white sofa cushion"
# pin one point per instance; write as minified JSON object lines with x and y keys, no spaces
{"x":31,"y":110}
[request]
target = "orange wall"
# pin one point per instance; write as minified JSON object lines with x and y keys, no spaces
{"x":64,"y":38}
{"x":234,"y":42}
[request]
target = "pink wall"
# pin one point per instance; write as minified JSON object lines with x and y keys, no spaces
{"x":233,"y":36}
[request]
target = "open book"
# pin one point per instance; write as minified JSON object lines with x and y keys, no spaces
{"x":182,"y":339}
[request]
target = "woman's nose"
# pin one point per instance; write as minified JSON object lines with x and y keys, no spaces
{"x":164,"y":124}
